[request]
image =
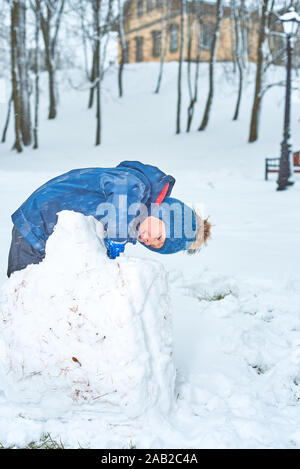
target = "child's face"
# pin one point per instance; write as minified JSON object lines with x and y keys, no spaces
{"x":152,"y":232}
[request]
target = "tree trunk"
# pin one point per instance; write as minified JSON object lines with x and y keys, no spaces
{"x":244,"y":33}
{"x":97,"y":22}
{"x":22,"y":63}
{"x":92,"y":79}
{"x":83,"y":35}
{"x":14,"y":74}
{"x":182,"y":33}
{"x":123,"y":48}
{"x":163,"y":44}
{"x":256,"y":108}
{"x":37,"y":75}
{"x":232,"y":34}
{"x":50,"y":33}
{"x":190,"y":31}
{"x":212,"y":66}
{"x":107,"y":26}
{"x":50,"y":63}
{"x":52,"y":87}
{"x":240,"y":91}
{"x":194,"y":95}
{"x":239,"y":61}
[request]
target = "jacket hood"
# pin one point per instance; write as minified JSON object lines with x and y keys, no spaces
{"x":180,"y":223}
{"x":157,"y":179}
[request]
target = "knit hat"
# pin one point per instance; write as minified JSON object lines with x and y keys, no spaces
{"x":180,"y":223}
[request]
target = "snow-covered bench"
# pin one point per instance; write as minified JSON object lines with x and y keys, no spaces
{"x":272,"y":164}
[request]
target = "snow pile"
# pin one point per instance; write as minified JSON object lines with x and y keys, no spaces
{"x":86,"y":329}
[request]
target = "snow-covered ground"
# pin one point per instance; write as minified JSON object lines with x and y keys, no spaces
{"x":235,"y":306}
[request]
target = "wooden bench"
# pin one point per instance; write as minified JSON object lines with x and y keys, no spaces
{"x":272,"y":164}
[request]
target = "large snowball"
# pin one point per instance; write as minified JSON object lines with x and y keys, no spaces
{"x":85,"y":328}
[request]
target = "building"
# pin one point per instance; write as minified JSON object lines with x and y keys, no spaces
{"x":150,"y":23}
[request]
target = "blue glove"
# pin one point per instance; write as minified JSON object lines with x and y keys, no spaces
{"x":114,"y":249}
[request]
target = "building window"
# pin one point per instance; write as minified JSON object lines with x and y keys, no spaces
{"x":140,"y":7}
{"x":174,"y":38}
{"x":149,"y":5}
{"x":277,"y":43}
{"x":156,"y":37}
{"x":206,"y":36}
{"x":139,"y":49}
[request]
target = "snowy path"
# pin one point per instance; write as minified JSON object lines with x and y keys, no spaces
{"x":238,"y":357}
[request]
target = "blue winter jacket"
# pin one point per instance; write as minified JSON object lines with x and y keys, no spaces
{"x":82,"y":190}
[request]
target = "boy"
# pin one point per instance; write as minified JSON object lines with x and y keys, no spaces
{"x":132,"y":201}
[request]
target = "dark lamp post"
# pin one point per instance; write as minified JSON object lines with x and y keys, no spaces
{"x":290,"y":22}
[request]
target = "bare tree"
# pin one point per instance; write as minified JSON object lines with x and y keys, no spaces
{"x":232,"y":33}
{"x":93,"y":78}
{"x":83,"y":8}
{"x":97,"y":32}
{"x":124,"y":51}
{"x":193,"y":91}
{"x":5,"y":50}
{"x":14,"y":74}
{"x":19,"y":74}
{"x":243,"y":16}
{"x":213,"y":50}
{"x":82,"y":13}
{"x":24,"y":84}
{"x":181,"y":58}
{"x":105,"y":29}
{"x":51,"y":16}
{"x":164,"y":42}
{"x":101,"y":22}
{"x":37,"y":11}
{"x":256,"y":108}
{"x":238,"y":54}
